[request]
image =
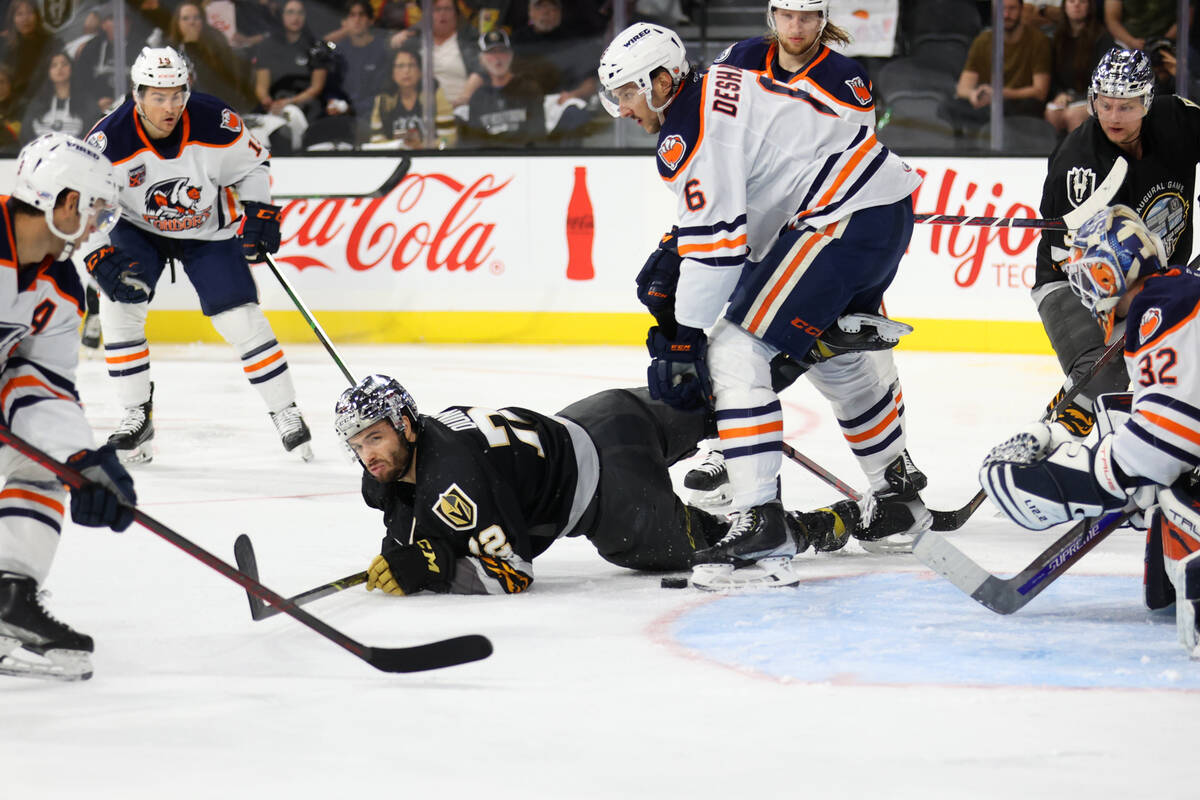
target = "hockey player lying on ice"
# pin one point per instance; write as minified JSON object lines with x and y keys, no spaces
{"x":1149,"y":441}
{"x":472,"y":495}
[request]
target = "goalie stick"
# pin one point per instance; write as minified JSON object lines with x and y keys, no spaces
{"x":1097,"y":201}
{"x":434,"y":655}
{"x":1006,"y":595}
{"x":243,"y":553}
{"x":383,"y":190}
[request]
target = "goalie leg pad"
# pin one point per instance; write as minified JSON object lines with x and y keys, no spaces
{"x":1181,"y":560}
{"x":1038,"y":487}
{"x":1157,"y":588}
{"x":246,"y":328}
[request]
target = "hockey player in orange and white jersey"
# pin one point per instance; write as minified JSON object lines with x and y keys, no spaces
{"x":62,"y":192}
{"x":1149,"y":440}
{"x":795,"y":217}
{"x":183,"y":163}
{"x":797,"y":52}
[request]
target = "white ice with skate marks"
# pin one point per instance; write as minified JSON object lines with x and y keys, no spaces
{"x":599,"y":686}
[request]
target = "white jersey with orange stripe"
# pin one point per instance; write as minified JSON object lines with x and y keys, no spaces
{"x":749,"y":157}
{"x":1161,"y":439}
{"x":183,"y":186}
{"x":40,"y":311}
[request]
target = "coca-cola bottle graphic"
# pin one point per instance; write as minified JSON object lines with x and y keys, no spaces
{"x":581,"y":230}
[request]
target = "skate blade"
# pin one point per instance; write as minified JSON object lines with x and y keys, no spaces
{"x":56,"y":665}
{"x":897,"y":545}
{"x":304,"y":451}
{"x":713,"y":501}
{"x":142,"y":454}
{"x":767,"y":573}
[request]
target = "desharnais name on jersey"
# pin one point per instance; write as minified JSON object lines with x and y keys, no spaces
{"x":494,"y":489}
{"x":838,"y":80}
{"x":748,"y":158}
{"x":1161,"y":440}
{"x":183,"y":185}
{"x":40,"y":311}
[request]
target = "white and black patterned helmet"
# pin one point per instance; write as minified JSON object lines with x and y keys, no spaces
{"x":373,"y":398}
{"x":1122,"y":73}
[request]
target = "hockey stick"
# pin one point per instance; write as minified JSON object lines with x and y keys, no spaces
{"x":1097,"y":201}
{"x":322,"y":337}
{"x":1006,"y":595}
{"x":953,"y":520}
{"x":243,"y":553}
{"x":434,"y":655}
{"x":383,"y":190}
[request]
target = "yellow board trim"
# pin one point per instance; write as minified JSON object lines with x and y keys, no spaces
{"x":546,"y":327}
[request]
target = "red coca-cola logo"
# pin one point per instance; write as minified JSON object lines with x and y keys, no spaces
{"x":970,"y":244}
{"x":430,"y":218}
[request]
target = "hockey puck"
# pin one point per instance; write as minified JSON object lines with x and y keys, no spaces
{"x":674,"y":583}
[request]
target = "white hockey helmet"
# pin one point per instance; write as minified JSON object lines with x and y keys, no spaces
{"x":55,"y":162}
{"x":633,"y":56}
{"x":374,"y":398}
{"x":160,"y":68}
{"x":798,"y":5}
{"x":1109,"y":253}
{"x":1122,"y":73}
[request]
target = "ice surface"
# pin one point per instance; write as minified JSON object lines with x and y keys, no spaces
{"x":872,"y":679}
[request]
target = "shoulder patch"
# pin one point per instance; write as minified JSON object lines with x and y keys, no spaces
{"x":455,"y":508}
{"x":1081,"y":182}
{"x":860,"y":91}
{"x":98,"y":140}
{"x":137,"y":176}
{"x":230,"y":121}
{"x":672,"y":150}
{"x":724,"y":55}
{"x":1151,"y":320}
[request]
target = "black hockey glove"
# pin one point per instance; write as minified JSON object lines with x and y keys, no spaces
{"x":409,"y":568}
{"x":108,"y":500}
{"x":658,"y":279}
{"x":260,"y":230}
{"x":678,"y":374}
{"x":117,"y":275}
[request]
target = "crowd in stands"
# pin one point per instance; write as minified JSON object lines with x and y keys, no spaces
{"x":332,"y":74}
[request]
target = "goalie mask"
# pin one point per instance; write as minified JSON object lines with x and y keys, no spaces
{"x":374,"y":398}
{"x":56,"y":162}
{"x":1122,"y":74}
{"x":1112,"y":251}
{"x":633,"y":57}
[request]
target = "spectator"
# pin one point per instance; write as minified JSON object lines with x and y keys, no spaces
{"x":396,"y":15}
{"x":27,"y":49}
{"x":1133,"y":22}
{"x":255,"y":20}
{"x":398,"y":114}
{"x":10,"y":117}
{"x":215,"y":69}
{"x":366,"y":58}
{"x":507,"y":108}
{"x":52,"y":110}
{"x":563,"y":63}
{"x":454,"y":53}
{"x":1027,"y":65}
{"x":1079,"y":42}
{"x":95,"y":67}
{"x":291,"y":70}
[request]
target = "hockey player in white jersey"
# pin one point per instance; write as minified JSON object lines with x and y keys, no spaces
{"x":195,"y":190}
{"x":797,"y":51}
{"x":63,"y":190}
{"x":1148,"y":441}
{"x":793,"y":216}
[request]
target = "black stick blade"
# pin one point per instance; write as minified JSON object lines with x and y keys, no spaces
{"x":435,"y":655}
{"x":243,"y":553}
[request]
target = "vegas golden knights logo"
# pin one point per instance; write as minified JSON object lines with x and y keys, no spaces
{"x":455,"y":509}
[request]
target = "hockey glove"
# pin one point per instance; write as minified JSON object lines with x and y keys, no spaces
{"x":117,"y":275}
{"x":409,"y":568}
{"x":1038,"y":484}
{"x":108,"y":500}
{"x":260,"y":230}
{"x":658,"y":279}
{"x":678,"y":374}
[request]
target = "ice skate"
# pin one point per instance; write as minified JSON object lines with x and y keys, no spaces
{"x":709,"y":483}
{"x":892,"y":519}
{"x":756,"y":552}
{"x":134,"y":434}
{"x":826,"y":529}
{"x":90,"y":336}
{"x":293,"y":431}
{"x":34,"y":644}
